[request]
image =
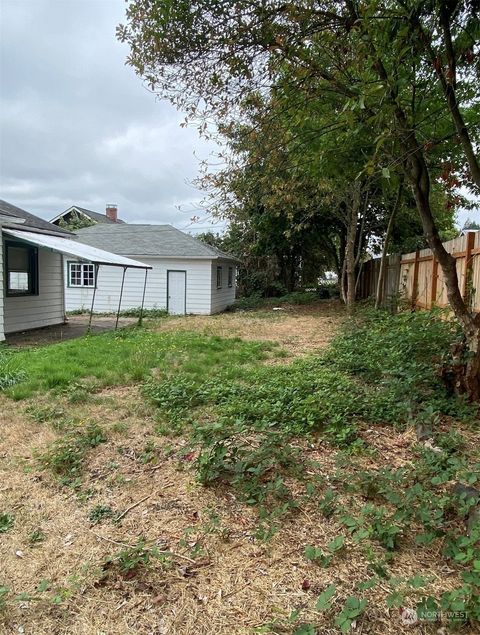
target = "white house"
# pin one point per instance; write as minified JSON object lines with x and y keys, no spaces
{"x":187,"y":276}
{"x":32,"y":273}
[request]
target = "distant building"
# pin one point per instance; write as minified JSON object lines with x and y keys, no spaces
{"x":187,"y":275}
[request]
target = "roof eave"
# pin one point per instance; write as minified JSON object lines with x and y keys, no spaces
{"x":36,"y":230}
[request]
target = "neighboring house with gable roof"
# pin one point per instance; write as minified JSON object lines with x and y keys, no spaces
{"x":187,"y":276}
{"x":75,"y":212}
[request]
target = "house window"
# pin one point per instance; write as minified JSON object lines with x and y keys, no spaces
{"x":230,"y":276}
{"x":22,"y":269}
{"x":81,"y":274}
{"x":219,"y":277}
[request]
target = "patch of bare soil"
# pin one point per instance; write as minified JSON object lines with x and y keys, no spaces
{"x":298,"y":329}
{"x":76,"y":326}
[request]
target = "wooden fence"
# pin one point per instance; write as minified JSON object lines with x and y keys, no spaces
{"x":418,"y":278}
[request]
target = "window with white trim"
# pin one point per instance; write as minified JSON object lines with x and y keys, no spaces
{"x":230,"y":276}
{"x":81,"y":274}
{"x":219,"y":277}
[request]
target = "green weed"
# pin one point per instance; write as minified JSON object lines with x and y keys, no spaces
{"x":137,"y":557}
{"x":36,"y":536}
{"x":6,"y":522}
{"x":11,"y":371}
{"x":99,"y":513}
{"x":66,"y":455}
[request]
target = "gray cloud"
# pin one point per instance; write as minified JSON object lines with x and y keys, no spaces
{"x":77,"y":126}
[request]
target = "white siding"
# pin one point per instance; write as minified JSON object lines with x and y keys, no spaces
{"x":110,"y":280}
{"x":221,"y":298}
{"x":46,"y":308}
{"x":2,"y":333}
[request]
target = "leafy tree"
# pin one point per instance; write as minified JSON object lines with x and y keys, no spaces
{"x":470,"y":225}
{"x":406,"y":70}
{"x":76,"y":221}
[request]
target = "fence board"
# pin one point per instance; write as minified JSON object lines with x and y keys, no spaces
{"x":417,"y":277}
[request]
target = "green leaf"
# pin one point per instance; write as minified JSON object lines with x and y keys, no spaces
{"x":367,"y":584}
{"x":305,"y":629}
{"x":336,"y":544}
{"x":324,"y":599}
{"x":42,"y":586}
{"x":394,"y":599}
{"x":385,"y":173}
{"x":417,"y":582}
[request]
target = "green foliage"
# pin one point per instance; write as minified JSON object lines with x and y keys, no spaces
{"x":243,"y":423}
{"x":305,"y":629}
{"x":99,"y":513}
{"x":11,"y":372}
{"x":36,"y":536}
{"x":398,"y":354}
{"x":351,"y":611}
{"x":122,"y":357}
{"x":137,"y":557}
{"x":146,"y":313}
{"x":257,"y":300}
{"x":318,"y":556}
{"x":76,"y":221}
{"x":328,"y":503}
{"x":66,"y":455}
{"x":324,"y":601}
{"x":4,"y":591}
{"x":6,"y":522}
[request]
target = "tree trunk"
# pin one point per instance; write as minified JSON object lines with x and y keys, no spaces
{"x":379,"y":296}
{"x":352,"y":220}
{"x":420,"y":181}
{"x":343,"y":282}
{"x":472,"y":367}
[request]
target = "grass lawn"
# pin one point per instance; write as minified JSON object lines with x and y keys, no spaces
{"x":223,"y":475}
{"x":123,"y":357}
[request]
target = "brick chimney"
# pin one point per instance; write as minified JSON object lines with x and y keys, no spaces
{"x":111,"y":212}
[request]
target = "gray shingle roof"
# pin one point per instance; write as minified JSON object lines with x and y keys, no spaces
{"x":31,"y":220}
{"x":163,"y":241}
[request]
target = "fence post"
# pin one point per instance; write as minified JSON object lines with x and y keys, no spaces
{"x":468,"y":266}
{"x":433,"y":295}
{"x":415,"y":279}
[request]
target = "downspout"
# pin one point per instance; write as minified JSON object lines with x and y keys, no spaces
{"x":64,"y":264}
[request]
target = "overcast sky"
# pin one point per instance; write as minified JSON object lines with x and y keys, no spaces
{"x":77,"y":125}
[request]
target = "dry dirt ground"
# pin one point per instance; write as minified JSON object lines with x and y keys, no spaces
{"x":298,"y":329}
{"x":76,"y":326}
{"x":62,"y":569}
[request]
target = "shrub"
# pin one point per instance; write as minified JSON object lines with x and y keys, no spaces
{"x":398,"y":355}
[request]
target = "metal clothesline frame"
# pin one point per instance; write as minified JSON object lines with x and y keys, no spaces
{"x":140,"y":318}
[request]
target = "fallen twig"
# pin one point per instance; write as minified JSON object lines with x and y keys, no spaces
{"x":123,"y":514}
